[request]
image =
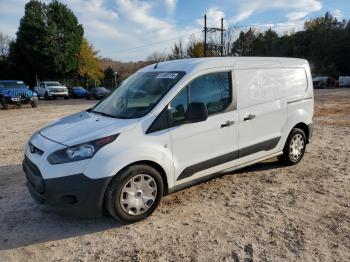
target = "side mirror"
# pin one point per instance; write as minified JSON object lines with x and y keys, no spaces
{"x":196,"y":112}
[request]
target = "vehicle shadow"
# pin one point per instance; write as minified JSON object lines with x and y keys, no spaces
{"x":272,"y":163}
{"x":22,"y":222}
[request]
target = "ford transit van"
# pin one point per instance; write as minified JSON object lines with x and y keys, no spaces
{"x":167,"y":127}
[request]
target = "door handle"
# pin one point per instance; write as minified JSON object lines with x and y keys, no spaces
{"x":249,"y":117}
{"x":228,"y":123}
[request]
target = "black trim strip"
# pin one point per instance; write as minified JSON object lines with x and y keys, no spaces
{"x":189,"y":171}
{"x":299,"y":100}
{"x":263,"y":146}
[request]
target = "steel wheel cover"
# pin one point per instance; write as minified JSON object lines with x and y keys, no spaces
{"x":138,"y":194}
{"x":296,"y":147}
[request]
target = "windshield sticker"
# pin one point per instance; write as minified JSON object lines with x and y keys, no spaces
{"x":167,"y":75}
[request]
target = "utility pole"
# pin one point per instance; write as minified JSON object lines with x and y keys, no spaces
{"x":213,"y":46}
{"x":222,"y":36}
{"x":205,"y":35}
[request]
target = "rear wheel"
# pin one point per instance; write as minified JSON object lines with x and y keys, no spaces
{"x":295,"y":146}
{"x":134,"y":193}
{"x":4,"y":103}
{"x":66,"y":97}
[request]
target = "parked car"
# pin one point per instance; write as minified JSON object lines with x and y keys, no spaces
{"x":169,"y":127}
{"x":51,"y":89}
{"x":344,"y":81}
{"x":77,"y":92}
{"x":321,"y":82}
{"x":97,"y":93}
{"x":16,"y":92}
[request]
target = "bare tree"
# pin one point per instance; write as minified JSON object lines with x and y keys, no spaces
{"x":177,"y":52}
{"x":5,"y":41}
{"x":156,"y":56}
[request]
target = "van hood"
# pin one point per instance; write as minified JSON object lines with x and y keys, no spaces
{"x":83,"y":127}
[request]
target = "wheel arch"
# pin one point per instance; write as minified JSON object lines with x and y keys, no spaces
{"x":152,"y":164}
{"x":303,"y":127}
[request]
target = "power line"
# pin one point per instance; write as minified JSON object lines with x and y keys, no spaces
{"x":266,"y":25}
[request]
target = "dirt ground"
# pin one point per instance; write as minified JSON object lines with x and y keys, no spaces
{"x":267,"y":212}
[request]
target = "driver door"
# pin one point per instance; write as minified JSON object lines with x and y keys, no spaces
{"x":205,"y":147}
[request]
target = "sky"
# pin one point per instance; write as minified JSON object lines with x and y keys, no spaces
{"x":131,"y":30}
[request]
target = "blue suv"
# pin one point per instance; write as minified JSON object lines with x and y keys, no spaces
{"x":16,"y":92}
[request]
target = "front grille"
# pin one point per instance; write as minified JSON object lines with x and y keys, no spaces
{"x":33,"y":175}
{"x":58,"y":90}
{"x":22,"y":94}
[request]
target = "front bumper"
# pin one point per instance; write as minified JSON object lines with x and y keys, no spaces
{"x":58,"y":94}
{"x":71,"y":195}
{"x":22,"y":100}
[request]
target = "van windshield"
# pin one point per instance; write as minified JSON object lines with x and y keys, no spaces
{"x":138,"y":94}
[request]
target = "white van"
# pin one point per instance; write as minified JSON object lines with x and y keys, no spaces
{"x":170,"y":126}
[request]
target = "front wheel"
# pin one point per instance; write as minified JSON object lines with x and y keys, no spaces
{"x":134,"y":193}
{"x":34,"y":103}
{"x":4,"y":103}
{"x":295,"y":146}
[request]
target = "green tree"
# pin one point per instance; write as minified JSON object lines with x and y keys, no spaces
{"x":244,"y":44}
{"x":108,"y":73}
{"x":48,"y":41}
{"x":66,"y":39}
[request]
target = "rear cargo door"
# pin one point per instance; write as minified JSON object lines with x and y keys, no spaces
{"x":262,"y":109}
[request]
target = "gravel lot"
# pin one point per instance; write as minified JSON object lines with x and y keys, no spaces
{"x":267,"y":212}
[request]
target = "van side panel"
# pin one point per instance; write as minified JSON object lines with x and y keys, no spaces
{"x":259,"y":93}
{"x":299,"y":94}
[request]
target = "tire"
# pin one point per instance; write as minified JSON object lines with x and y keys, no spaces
{"x":116,"y":197}
{"x":66,"y":97}
{"x":295,"y":147}
{"x":46,"y":96}
{"x":34,"y":103}
{"x":4,"y":103}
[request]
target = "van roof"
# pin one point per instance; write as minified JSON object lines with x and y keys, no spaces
{"x":197,"y":64}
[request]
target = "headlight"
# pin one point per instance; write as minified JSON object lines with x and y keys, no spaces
{"x":79,"y":152}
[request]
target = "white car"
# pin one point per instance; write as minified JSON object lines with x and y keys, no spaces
{"x":52,"y":89}
{"x":344,"y":81}
{"x":168,"y":127}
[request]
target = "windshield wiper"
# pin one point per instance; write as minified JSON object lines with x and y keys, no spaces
{"x":100,"y":113}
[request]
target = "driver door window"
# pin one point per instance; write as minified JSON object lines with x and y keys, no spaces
{"x":212,"y":89}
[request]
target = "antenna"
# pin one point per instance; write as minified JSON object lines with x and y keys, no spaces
{"x":160,"y":58}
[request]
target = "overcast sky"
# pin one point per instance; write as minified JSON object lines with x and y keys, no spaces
{"x":130,"y":30}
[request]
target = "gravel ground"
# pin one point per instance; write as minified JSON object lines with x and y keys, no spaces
{"x":266,"y":212}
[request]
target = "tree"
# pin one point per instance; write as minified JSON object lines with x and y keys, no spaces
{"x":88,"y":62}
{"x":156,"y":56}
{"x":195,"y":48}
{"x":66,"y":39}
{"x":244,"y":43}
{"x":265,"y":44}
{"x":177,"y":52}
{"x":108,"y":73}
{"x":48,"y":41}
{"x":5,"y":41}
